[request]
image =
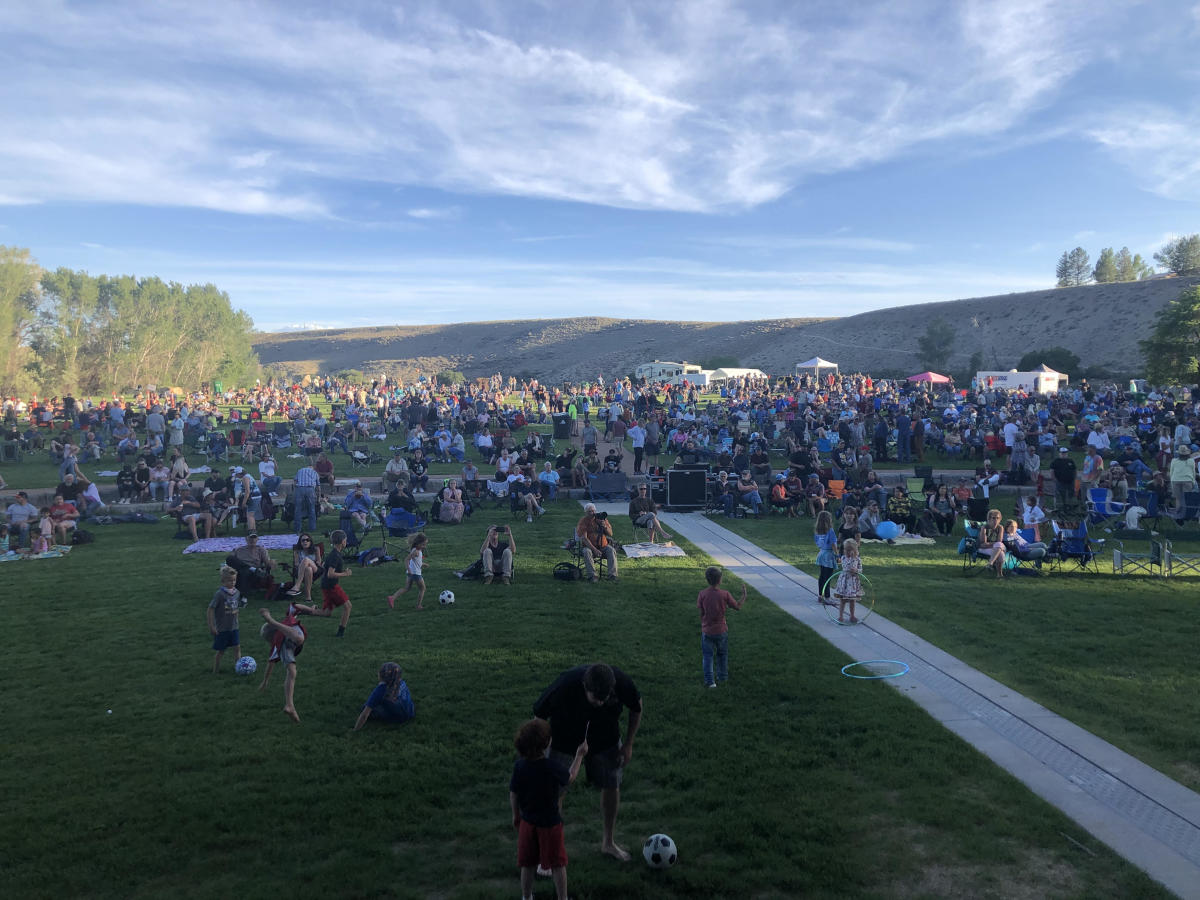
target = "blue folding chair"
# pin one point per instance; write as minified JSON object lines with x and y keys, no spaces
{"x":1101,"y":507}
{"x":1073,"y":545}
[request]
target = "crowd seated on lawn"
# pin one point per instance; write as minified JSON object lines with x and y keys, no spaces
{"x":837,"y":427}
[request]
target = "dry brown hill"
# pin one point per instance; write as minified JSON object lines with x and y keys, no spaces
{"x":1101,"y":323}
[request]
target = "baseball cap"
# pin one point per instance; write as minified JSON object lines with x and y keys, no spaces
{"x":252,"y":534}
{"x":207,"y":491}
{"x":1062,"y":450}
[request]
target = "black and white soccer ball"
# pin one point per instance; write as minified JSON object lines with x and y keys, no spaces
{"x":659,"y":851}
{"x":446,"y":598}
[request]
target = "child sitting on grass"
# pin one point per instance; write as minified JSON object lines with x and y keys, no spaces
{"x":533,"y":792}
{"x":390,"y":701}
{"x":849,"y":585}
{"x":223,"y":617}
{"x":416,"y":563}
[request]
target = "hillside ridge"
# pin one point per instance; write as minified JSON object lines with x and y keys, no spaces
{"x":1101,"y":323}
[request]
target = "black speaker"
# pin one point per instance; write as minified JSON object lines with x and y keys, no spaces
{"x":562,"y":426}
{"x":686,"y":487}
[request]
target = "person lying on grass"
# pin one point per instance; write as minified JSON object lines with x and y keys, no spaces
{"x":390,"y":701}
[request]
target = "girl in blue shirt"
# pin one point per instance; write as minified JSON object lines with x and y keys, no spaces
{"x":390,"y":701}
{"x":826,"y":540}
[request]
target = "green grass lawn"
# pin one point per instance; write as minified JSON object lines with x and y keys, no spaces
{"x":788,"y":781}
{"x":1114,"y":654}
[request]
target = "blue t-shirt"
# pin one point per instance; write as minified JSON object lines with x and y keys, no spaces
{"x":399,"y":710}
{"x":537,"y":782}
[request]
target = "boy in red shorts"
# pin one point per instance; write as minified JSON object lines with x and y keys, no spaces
{"x":534,"y":790}
{"x":331,"y":592}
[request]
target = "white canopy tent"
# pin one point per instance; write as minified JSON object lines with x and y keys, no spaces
{"x":816,"y":364}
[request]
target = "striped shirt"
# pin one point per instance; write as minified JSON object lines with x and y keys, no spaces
{"x":306,"y":477}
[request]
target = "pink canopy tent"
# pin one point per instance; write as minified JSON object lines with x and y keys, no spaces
{"x":932,"y":377}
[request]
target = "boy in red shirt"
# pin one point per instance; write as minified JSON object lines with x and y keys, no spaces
{"x":714,"y":637}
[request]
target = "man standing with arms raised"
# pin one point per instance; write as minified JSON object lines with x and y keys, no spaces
{"x":586,"y":701}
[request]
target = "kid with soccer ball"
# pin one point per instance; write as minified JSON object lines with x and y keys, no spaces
{"x":223,"y":617}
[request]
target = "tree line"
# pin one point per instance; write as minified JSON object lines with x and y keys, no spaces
{"x":67,"y":330}
{"x":1180,"y":256}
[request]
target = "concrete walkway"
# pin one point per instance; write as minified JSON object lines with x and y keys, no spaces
{"x":1144,"y":816}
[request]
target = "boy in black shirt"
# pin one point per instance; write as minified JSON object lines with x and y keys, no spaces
{"x":533,"y":792}
{"x":332,"y":594}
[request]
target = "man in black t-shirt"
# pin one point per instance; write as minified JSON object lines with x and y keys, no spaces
{"x":1064,"y":470}
{"x":587,"y":701}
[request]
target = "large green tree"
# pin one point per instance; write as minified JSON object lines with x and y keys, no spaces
{"x":1106,"y":267}
{"x":1074,"y":268}
{"x":96,"y":334}
{"x":936,"y":345}
{"x":1172,"y":351}
{"x":19,"y":278}
{"x":1060,"y":359}
{"x":1181,"y":256}
{"x":1131,"y":267}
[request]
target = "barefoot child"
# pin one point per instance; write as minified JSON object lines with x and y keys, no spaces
{"x":849,"y":586}
{"x":223,"y":617}
{"x":332,"y":594}
{"x":44,"y":539}
{"x":534,"y":793}
{"x":287,"y":640}
{"x":416,"y":562}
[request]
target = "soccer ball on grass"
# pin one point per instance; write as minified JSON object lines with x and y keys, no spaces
{"x":245,"y":665}
{"x":659,"y":851}
{"x":446,"y":598}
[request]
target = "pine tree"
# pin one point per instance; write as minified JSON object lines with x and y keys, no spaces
{"x":1106,"y":267}
{"x":1131,"y":267}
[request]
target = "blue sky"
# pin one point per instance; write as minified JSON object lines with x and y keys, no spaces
{"x":377,"y":163}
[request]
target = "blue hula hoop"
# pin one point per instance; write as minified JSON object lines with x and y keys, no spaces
{"x":867,"y":662}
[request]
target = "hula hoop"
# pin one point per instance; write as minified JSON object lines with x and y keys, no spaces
{"x":871,"y":662}
{"x":864,"y":605}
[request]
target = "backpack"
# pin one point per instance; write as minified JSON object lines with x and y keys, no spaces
{"x":373,"y":557}
{"x":568,"y":571}
{"x":82,"y":537}
{"x":267,"y":505}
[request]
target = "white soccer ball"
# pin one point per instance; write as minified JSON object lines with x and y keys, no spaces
{"x":245,"y":666}
{"x":659,"y":851}
{"x":446,"y":598}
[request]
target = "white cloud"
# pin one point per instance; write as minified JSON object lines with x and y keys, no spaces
{"x":1161,"y":147}
{"x":694,"y":106}
{"x":449,"y":212}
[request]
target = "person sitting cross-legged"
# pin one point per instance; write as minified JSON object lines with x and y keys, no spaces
{"x":526,"y":496}
{"x":643,"y":511}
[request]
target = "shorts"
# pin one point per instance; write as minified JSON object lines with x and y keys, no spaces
{"x":284,"y":653}
{"x":644,"y":520}
{"x":604,"y":767}
{"x":254,"y":506}
{"x":541,"y":846}
{"x":415,"y":579}
{"x":333,"y":596}
{"x":223,"y":640}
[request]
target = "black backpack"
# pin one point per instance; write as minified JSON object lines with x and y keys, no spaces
{"x":82,"y":537}
{"x":567,"y":571}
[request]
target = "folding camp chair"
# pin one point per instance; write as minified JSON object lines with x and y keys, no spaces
{"x":916,"y":489}
{"x":925,"y":473}
{"x":1180,"y":563}
{"x":360,"y":459}
{"x":1074,"y":545}
{"x":1126,"y":563}
{"x":1147,"y":500}
{"x":1191,"y":508}
{"x":1101,"y":507}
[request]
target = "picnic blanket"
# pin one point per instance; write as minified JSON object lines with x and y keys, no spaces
{"x":229,"y":544}
{"x":645,"y":550}
{"x":903,"y":540}
{"x":55,"y":552}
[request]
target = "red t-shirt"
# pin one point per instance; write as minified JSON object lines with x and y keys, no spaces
{"x":712,"y":602}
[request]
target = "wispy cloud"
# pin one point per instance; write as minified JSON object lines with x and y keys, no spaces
{"x":835,"y":242}
{"x":1160,"y":146}
{"x":449,"y":212}
{"x":694,"y":106}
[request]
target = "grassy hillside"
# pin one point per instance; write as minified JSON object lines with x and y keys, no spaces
{"x":1101,"y":323}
